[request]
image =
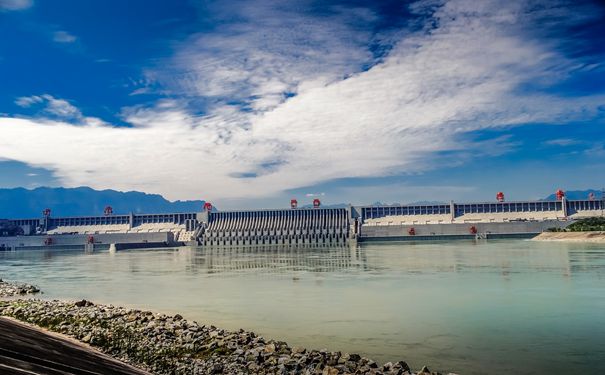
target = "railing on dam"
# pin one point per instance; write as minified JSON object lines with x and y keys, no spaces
{"x":266,"y":227}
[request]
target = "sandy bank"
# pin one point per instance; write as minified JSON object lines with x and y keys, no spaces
{"x":571,"y":236}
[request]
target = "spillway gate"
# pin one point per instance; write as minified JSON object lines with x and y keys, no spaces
{"x":321,"y":226}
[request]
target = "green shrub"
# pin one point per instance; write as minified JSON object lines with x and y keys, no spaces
{"x":588,"y":225}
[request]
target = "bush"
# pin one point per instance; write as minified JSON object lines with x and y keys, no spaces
{"x":588,"y":225}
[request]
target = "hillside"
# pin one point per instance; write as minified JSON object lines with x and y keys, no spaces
{"x":577,"y":194}
{"x":24,"y":203}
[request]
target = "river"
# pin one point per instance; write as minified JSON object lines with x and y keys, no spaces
{"x":486,"y":307}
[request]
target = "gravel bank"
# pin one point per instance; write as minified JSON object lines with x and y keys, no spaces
{"x":172,"y":345}
{"x":8,"y":289}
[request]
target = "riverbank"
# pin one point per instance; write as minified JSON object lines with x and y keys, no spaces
{"x":172,"y":345}
{"x":9,"y":289}
{"x":598,"y":237}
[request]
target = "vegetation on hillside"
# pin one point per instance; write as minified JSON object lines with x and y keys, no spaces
{"x":590,"y":224}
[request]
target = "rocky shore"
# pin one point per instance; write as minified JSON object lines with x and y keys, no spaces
{"x":8,"y":289}
{"x":165,"y":344}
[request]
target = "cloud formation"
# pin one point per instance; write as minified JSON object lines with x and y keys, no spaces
{"x":7,"y":5}
{"x":58,"y":109}
{"x":292,"y":100}
{"x":63,"y":36}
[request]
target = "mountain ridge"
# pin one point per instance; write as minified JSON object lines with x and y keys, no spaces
{"x":26,"y":203}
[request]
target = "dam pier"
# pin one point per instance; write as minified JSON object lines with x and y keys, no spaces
{"x":313,"y":226}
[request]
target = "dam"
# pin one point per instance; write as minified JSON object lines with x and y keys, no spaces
{"x":312,"y":226}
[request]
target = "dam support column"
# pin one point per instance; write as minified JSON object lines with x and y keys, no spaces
{"x":564,"y":206}
{"x":452,"y":211}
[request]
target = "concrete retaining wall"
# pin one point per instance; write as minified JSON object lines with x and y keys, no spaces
{"x":449,"y":231}
{"x":72,"y":241}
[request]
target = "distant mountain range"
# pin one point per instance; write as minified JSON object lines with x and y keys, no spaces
{"x":577,"y":194}
{"x":23,"y":203}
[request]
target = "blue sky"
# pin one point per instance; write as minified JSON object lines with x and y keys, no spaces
{"x":249,"y":103}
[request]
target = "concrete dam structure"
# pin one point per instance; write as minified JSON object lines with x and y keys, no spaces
{"x":299,"y":226}
{"x":271,"y":227}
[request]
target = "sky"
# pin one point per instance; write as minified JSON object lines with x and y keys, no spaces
{"x":250,"y":103}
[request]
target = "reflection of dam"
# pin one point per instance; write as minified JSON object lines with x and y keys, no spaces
{"x":274,"y":259}
{"x":300,"y":226}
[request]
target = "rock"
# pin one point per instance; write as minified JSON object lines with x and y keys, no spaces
{"x":83,"y":303}
{"x":424,"y":370}
{"x":217,"y":369}
{"x":354,"y":357}
{"x":402,"y":365}
{"x":328,"y":370}
{"x":299,"y":350}
{"x":270,"y":348}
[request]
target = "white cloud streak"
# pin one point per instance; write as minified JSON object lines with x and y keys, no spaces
{"x":57,"y":108}
{"x":434,"y":89}
{"x":7,"y":5}
{"x":62,"y":36}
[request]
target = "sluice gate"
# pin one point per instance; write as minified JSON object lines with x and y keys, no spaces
{"x":321,"y":226}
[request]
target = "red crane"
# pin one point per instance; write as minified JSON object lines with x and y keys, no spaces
{"x":412,"y":232}
{"x":293,"y":203}
{"x":500,"y":196}
{"x":560,"y":194}
{"x":316,"y":203}
{"x":108,"y":211}
{"x":208,"y":206}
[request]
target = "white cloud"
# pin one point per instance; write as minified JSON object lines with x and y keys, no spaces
{"x":28,"y":101}
{"x":6,"y":5}
{"x":562,"y":142}
{"x":57,"y":108}
{"x":62,"y":36}
{"x":270,"y":50}
{"x":434,"y":89}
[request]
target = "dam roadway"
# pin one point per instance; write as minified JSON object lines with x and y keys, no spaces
{"x":315,"y":226}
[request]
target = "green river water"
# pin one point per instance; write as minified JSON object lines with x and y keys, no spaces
{"x":487,"y":307}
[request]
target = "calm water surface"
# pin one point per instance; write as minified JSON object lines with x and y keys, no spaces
{"x":497,"y":307}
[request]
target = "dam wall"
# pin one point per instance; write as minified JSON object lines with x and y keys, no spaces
{"x":321,"y":226}
{"x":479,"y":212}
{"x":486,"y":230}
{"x":81,"y":241}
{"x":307,"y":226}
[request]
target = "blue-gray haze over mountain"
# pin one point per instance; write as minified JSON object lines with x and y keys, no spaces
{"x":23,"y":203}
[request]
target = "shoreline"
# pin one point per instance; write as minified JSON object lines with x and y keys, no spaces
{"x":13,"y":289}
{"x":164,"y":344}
{"x":587,"y":237}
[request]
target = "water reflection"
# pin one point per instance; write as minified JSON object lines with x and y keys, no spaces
{"x":495,"y":307}
{"x":273,"y":260}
